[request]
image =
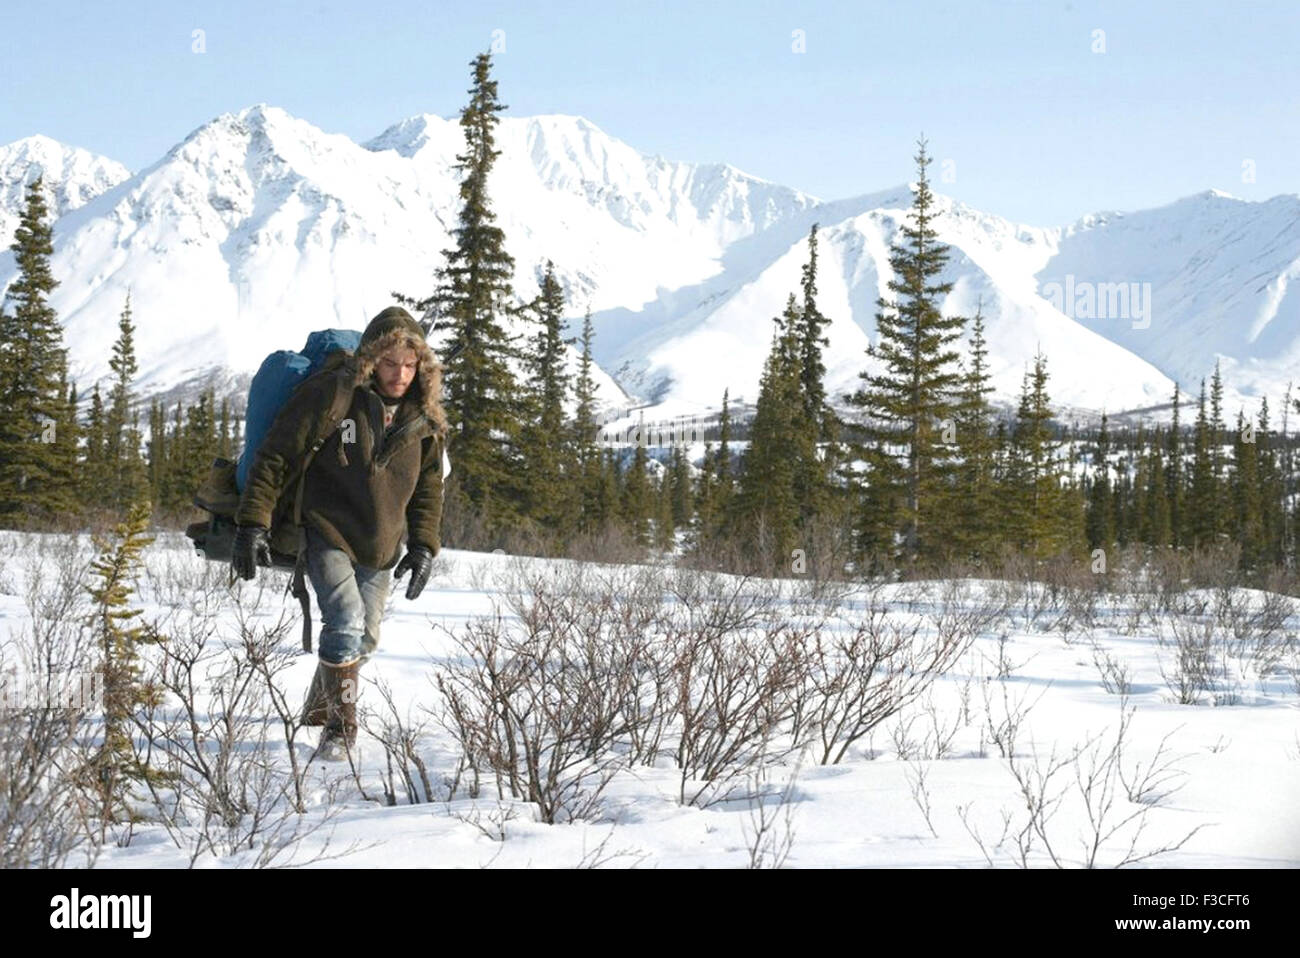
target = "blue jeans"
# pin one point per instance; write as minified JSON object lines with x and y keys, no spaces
{"x":351,"y":599}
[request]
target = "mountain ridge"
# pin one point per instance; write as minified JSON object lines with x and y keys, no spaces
{"x":258,"y":227}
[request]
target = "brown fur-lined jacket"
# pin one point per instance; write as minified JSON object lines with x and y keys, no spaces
{"x":367,"y":487}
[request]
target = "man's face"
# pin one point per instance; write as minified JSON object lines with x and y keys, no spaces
{"x":395,"y":371}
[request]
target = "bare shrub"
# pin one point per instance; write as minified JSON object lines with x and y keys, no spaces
{"x":916,"y":775}
{"x":1254,"y":628}
{"x":1115,"y":675}
{"x":865,"y":673}
{"x":738,"y":668}
{"x":602,"y":854}
{"x":939,"y":738}
{"x":1191,"y":672}
{"x":769,"y":828}
{"x":45,"y":820}
{"x":1002,"y":724}
{"x":1113,"y":830}
{"x":398,"y":733}
{"x":231,"y":797}
{"x":532,"y":704}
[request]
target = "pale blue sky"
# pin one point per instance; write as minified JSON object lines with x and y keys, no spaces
{"x":1038,"y":127}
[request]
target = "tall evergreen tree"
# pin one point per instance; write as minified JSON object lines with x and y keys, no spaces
{"x":636,"y":504}
{"x":126,"y":470}
{"x":196,"y":449}
{"x":586,"y":452}
{"x":1100,"y":515}
{"x":1174,"y":477}
{"x":718,"y":484}
{"x":1272,"y":498}
{"x":1158,"y":527}
{"x":37,"y":471}
{"x":916,"y":392}
{"x":664,"y":527}
{"x":683,"y":498}
{"x":484,"y":406}
{"x":157,"y":451}
{"x":1040,"y":514}
{"x":1247,"y":513}
{"x":548,"y":467}
{"x":95,"y":471}
{"x":766,"y":501}
{"x":1202,"y":498}
{"x":1218,"y":432}
{"x":973,"y":512}
{"x":815,"y":470}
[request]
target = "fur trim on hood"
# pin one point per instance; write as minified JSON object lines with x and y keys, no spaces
{"x":428,"y":377}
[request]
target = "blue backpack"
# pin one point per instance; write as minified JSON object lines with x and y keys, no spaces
{"x":279,"y":375}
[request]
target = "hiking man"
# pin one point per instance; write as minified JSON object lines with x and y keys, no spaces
{"x":376,"y":480}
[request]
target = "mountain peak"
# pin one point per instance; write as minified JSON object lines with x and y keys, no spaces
{"x":37,"y":143}
{"x":407,"y":137}
{"x":72,"y":177}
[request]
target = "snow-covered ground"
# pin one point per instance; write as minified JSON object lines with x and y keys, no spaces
{"x":915,"y":792}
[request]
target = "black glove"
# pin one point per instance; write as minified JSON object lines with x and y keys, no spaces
{"x":420,"y":561}
{"x":252,"y":548}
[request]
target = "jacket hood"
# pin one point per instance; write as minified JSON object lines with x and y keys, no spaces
{"x":395,"y":327}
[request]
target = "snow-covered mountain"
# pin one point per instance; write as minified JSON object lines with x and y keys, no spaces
{"x":259,"y":227}
{"x":72,"y":177}
{"x":1222,"y":276}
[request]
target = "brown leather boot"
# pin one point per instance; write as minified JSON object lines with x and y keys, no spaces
{"x":340,"y":687}
{"x":313,"y":709}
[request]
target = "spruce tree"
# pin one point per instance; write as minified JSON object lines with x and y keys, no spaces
{"x":1174,"y":477}
{"x":66,"y":452}
{"x":1272,"y":496}
{"x":683,"y":499}
{"x":37,"y":473}
{"x":474,"y":295}
{"x":767,"y":504}
{"x":609,"y":492}
{"x":116,"y":767}
{"x":196,"y":450}
{"x":908,"y":402}
{"x":72,"y":434}
{"x":94,"y":470}
{"x":718,"y":485}
{"x":816,"y":465}
{"x":585,"y":451}
{"x":225,"y":440}
{"x":126,"y":471}
{"x":636,"y":504}
{"x":1202,"y":498}
{"x":973,"y":511}
{"x":1218,"y":432}
{"x":548,"y":468}
{"x":1040,"y":514}
{"x":157,"y":451}
{"x":174,"y":465}
{"x":726,"y":477}
{"x":1248,"y":518}
{"x":1100,"y":516}
{"x":1159,"y":524}
{"x":664,"y":527}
